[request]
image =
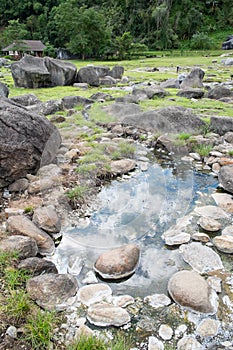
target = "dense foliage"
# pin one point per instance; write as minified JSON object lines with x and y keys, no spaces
{"x":104,"y":27}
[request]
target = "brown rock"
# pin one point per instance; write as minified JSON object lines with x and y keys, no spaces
{"x":122,"y":166}
{"x":189,"y":289}
{"x":103,"y":315}
{"x":25,"y":246}
{"x":37,"y":266}
{"x":209,"y":224}
{"x":47,"y":219}
{"x":224,"y":243}
{"x":20,"y":224}
{"x":118,"y":263}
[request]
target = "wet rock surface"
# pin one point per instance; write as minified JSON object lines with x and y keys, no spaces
{"x":104,"y":314}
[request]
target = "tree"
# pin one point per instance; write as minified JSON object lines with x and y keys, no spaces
{"x":85,"y":31}
{"x":15,"y":32}
{"x":124,"y":45}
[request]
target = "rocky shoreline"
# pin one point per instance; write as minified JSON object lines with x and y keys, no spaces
{"x":197,"y":311}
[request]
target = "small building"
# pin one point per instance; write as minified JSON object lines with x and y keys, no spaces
{"x":20,"y":47}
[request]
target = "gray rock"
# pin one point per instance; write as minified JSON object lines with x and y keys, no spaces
{"x":193,"y":79}
{"x":83,"y":86}
{"x":116,"y":72}
{"x":201,"y":258}
{"x":169,"y":119}
{"x":61,"y":72}
{"x":189,"y":343}
{"x":4,"y":91}
{"x":228,"y":231}
{"x":107,"y":81}
{"x":47,"y":219}
{"x":157,"y":300}
{"x":208,"y":327}
{"x":12,"y":332}
{"x":118,"y":110}
{"x":46,"y":108}
{"x":69,"y":102}
{"x":42,"y":185}
{"x":226,"y":177}
{"x":218,"y":92}
{"x":104,"y":315}
{"x":229,"y":61}
{"x":24,"y":246}
{"x":211,"y":211}
{"x":101,"y":96}
{"x":170,"y":84}
{"x":229,"y":137}
{"x":224,"y":243}
{"x":88,"y":75}
{"x":20,"y":224}
{"x":19,"y":185}
{"x":118,"y":263}
{"x":189,"y":289}
{"x":94,"y":293}
{"x":50,"y":290}
{"x":122,"y":300}
{"x":37,"y":266}
{"x":149,"y":92}
{"x":26,"y":100}
{"x":209,"y":224}
{"x":191,"y":93}
{"x":25,"y":139}
{"x":221,"y":125}
{"x":56,"y":118}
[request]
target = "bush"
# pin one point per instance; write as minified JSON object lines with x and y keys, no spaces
{"x":201,"y":41}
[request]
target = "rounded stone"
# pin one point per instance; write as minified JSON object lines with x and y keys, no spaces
{"x":224,"y":243}
{"x":104,"y":315}
{"x":208,"y":328}
{"x":47,"y":219}
{"x":189,"y":289}
{"x":37,"y":266}
{"x":24,"y":246}
{"x":189,"y":343}
{"x":155,"y":344}
{"x":226,"y":177}
{"x":94,"y":293}
{"x":157,"y":300}
{"x":50,"y":290}
{"x":119,"y":262}
{"x":209,"y":224}
{"x":165,"y":332}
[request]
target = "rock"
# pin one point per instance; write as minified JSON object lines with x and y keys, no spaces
{"x":83,"y":86}
{"x":118,"y":263}
{"x":26,"y":100}
{"x":155,"y":344}
{"x":228,"y":44}
{"x":61,"y":72}
{"x":191,"y":93}
{"x":229,"y":62}
{"x":201,"y":237}
{"x":122,"y":300}
{"x":228,"y":231}
{"x":94,"y":293}
{"x":90,"y":278}
{"x":165,"y":332}
{"x":176,"y":238}
{"x":157,"y":300}
{"x":122,"y":166}
{"x":12,"y":332}
{"x":50,"y":290}
{"x":170,"y":84}
{"x":116,"y":72}
{"x":189,"y":289}
{"x":75,"y":265}
{"x":119,"y":110}
{"x":69,"y":102}
{"x":211,"y":211}
{"x":24,"y":246}
{"x":229,"y":137}
{"x":189,"y":343}
{"x":19,"y":185}
{"x":208,"y":328}
{"x":221,"y":125}
{"x":88,"y":75}
{"x":224,"y":243}
{"x":218,"y":92}
{"x":56,"y":118}
{"x":101,"y":96}
{"x":107,"y":81}
{"x":42,"y":185}
{"x":37,"y":266}
{"x":26,"y":140}
{"x":201,"y":258}
{"x":226,"y":177}
{"x":224,"y":200}
{"x":35,"y":72}
{"x":104,"y":315}
{"x":46,"y":108}
{"x":168,"y":119}
{"x":215,"y":283}
{"x":47,"y":219}
{"x":149,"y":92}
{"x":4,"y":91}
{"x":20,"y":224}
{"x":193,"y":79}
{"x":209,"y":224}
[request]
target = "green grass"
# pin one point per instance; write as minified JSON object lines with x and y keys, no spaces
{"x":203,"y":150}
{"x":16,"y":306}
{"x":230,"y":153}
{"x":120,"y":342}
{"x":183,"y":136}
{"x":6,"y":259}
{"x":77,"y":193}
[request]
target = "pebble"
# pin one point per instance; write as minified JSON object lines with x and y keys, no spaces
{"x":165,"y":332}
{"x":155,"y":344}
{"x":12,"y":332}
{"x":208,"y":328}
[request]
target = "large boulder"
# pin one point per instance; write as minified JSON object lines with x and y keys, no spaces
{"x":228,"y":44}
{"x":88,"y":75}
{"x":36,"y":72}
{"x":193,"y":79}
{"x":221,"y":125}
{"x":226,"y":177}
{"x":26,"y":100}
{"x":24,"y":138}
{"x":218,"y":92}
{"x":25,"y":247}
{"x":169,"y":119}
{"x":4,"y":91}
{"x":116,"y":72}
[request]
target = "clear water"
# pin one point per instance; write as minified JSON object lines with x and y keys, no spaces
{"x":137,"y":209}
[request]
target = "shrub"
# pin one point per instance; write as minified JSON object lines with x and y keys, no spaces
{"x":201,"y":41}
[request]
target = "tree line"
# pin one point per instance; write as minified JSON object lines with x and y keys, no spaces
{"x":98,"y":28}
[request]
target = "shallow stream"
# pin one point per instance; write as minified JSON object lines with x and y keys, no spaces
{"x":136,"y":209}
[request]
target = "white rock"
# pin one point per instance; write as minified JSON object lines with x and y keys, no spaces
{"x":211,"y":211}
{"x":75,"y":266}
{"x":180,"y":330}
{"x":189,"y":343}
{"x":228,"y":231}
{"x":195,"y":156}
{"x":208,"y":328}
{"x":215,"y":283}
{"x":201,"y":258}
{"x":201,"y":237}
{"x":178,"y":239}
{"x":209,"y":224}
{"x":90,"y":278}
{"x":12,"y":332}
{"x":122,"y":300}
{"x":94,"y":293}
{"x":157,"y":300}
{"x":165,"y":332}
{"x":104,"y":315}
{"x":155,"y":344}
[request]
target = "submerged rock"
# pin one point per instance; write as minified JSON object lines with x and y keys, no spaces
{"x":104,"y":315}
{"x":189,"y":289}
{"x":118,"y":263}
{"x":94,"y":293}
{"x":50,"y":290}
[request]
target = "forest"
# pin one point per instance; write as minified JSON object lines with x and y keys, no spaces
{"x":101,"y":28}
